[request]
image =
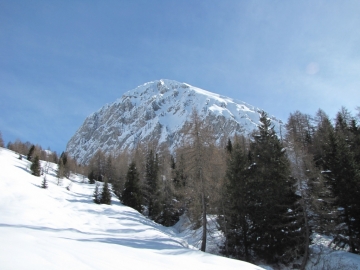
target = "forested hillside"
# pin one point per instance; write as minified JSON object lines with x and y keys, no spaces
{"x":271,"y":197}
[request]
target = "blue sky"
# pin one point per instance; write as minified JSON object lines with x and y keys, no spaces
{"x":62,"y":60}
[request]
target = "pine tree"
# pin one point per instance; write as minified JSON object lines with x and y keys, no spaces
{"x":229,"y":146}
{"x":44,"y":183}
{"x":91,"y":177}
{"x":341,"y":172}
{"x":35,"y":166}
{"x":105,"y":193}
{"x":132,"y":195}
{"x":60,"y":170}
{"x":96,"y":195}
{"x":30,"y":153}
{"x":152,"y":195}
{"x":1,"y":140}
{"x":236,"y":223}
{"x":275,"y":206}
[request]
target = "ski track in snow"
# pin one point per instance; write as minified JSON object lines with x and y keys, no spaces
{"x":59,"y":229}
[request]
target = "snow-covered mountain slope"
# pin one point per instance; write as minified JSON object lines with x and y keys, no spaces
{"x":56,"y":228}
{"x":158,"y":110}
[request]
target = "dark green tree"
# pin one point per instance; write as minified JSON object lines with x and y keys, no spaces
{"x":35,"y":166}
{"x":276,"y":226}
{"x":229,"y":146}
{"x":152,"y":195}
{"x":60,"y":170}
{"x":342,"y":174}
{"x":44,"y":183}
{"x":236,"y":223}
{"x":31,"y":152}
{"x":105,"y":193}
{"x":132,"y":195}
{"x":91,"y":177}
{"x":1,"y":140}
{"x":96,"y":195}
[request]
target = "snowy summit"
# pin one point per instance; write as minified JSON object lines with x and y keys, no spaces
{"x":158,"y":111}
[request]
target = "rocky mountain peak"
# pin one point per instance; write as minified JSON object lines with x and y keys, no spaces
{"x":159,"y":110}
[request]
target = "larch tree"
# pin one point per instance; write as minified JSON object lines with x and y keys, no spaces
{"x":200,"y":162}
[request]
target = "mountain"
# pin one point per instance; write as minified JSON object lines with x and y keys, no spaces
{"x":159,"y":110}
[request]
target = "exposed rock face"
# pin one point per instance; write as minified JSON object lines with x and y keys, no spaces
{"x":158,"y":111}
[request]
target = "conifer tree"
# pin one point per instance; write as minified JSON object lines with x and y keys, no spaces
{"x":236,"y":223}
{"x":105,"y":193}
{"x":152,"y":195}
{"x":30,"y":153}
{"x":132,"y":195}
{"x":44,"y":183}
{"x":60,"y":170}
{"x":91,"y":177}
{"x":1,"y":140}
{"x":275,"y":207}
{"x":35,"y":166}
{"x":202,"y":171}
{"x":341,"y":172}
{"x":96,"y":195}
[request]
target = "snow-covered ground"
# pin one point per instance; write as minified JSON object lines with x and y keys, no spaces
{"x":56,"y":228}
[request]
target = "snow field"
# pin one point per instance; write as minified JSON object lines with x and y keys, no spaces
{"x":56,"y":228}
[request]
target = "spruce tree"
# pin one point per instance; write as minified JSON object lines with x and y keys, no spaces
{"x":30,"y":153}
{"x":105,"y":193}
{"x":152,"y":195}
{"x":275,"y":208}
{"x":341,"y":171}
{"x":91,"y":177}
{"x":96,"y":195}
{"x":1,"y":140}
{"x":60,"y":170}
{"x":132,"y":195}
{"x":44,"y":183}
{"x":236,"y":223}
{"x":35,"y":166}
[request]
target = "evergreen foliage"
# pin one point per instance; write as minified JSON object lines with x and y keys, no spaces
{"x":341,"y":171}
{"x":229,"y":146}
{"x":105,"y":193}
{"x":30,"y":153}
{"x":1,"y":140}
{"x":274,"y":203}
{"x":96,"y":195}
{"x":35,"y":166}
{"x":132,"y":195}
{"x":44,"y":183}
{"x":91,"y":177}
{"x":60,"y":170}
{"x":152,"y":195}
{"x":236,"y":223}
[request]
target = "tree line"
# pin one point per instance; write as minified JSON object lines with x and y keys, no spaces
{"x":268,"y":194}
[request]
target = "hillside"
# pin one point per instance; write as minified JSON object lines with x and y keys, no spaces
{"x":56,"y":228}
